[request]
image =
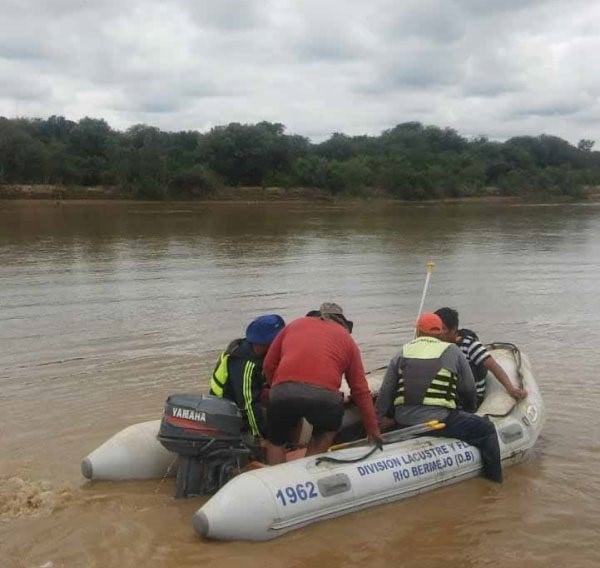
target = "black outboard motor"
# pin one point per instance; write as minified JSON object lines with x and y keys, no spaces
{"x":206,"y":433}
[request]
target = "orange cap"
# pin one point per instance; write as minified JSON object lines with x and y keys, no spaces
{"x":429,"y":323}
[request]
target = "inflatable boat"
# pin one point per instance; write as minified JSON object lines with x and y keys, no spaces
{"x":268,"y":502}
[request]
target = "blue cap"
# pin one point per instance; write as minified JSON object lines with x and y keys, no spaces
{"x":264,"y":329}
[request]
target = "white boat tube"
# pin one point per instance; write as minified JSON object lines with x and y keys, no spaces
{"x":266,"y":503}
{"x":132,"y":453}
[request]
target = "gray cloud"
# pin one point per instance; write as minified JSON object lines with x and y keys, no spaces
{"x":418,"y":70}
{"x":326,"y":47}
{"x":433,"y":22}
{"x":26,"y":89}
{"x":15,"y":48}
{"x":501,"y":68}
{"x":562,"y":108}
{"x":226,"y":15}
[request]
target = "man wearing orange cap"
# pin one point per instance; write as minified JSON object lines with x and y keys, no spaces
{"x":428,"y":380}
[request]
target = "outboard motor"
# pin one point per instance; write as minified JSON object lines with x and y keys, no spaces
{"x":205,"y":431}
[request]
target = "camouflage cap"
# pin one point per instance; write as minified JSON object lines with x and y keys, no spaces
{"x":331,"y":309}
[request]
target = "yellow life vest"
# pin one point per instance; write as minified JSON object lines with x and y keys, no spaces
{"x":220,"y":376}
{"x":441,"y":390}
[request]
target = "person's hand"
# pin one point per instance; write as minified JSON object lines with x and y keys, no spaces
{"x":386,"y":423}
{"x":375,"y":438}
{"x":264,"y":395}
{"x":517,"y":393}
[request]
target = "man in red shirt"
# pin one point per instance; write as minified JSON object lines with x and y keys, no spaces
{"x":304,"y":366}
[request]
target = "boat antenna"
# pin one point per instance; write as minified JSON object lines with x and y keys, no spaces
{"x":430,"y":266}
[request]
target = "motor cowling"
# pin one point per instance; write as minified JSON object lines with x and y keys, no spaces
{"x":206,"y":432}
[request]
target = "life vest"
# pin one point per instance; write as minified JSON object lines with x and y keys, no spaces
{"x":220,"y":376}
{"x":237,"y":358}
{"x":429,"y":383}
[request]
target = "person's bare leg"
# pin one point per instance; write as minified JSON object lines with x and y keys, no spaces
{"x":275,"y":454}
{"x":320,"y":443}
{"x":296,"y":432}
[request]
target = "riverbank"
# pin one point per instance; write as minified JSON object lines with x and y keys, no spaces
{"x":61,"y":192}
{"x":79,"y":193}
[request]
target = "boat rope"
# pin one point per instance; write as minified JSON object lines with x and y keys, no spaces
{"x":166,"y":474}
{"x":388,"y":438}
{"x":321,"y":459}
{"x":517,"y":355}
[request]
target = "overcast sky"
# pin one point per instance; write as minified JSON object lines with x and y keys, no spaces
{"x":495,"y":67}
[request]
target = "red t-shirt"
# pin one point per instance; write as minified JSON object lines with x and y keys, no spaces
{"x":318,"y":352}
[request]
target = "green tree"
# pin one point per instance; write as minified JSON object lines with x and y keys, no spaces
{"x":585,"y":145}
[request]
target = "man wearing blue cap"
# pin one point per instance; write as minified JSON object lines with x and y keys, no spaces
{"x":238,"y":374}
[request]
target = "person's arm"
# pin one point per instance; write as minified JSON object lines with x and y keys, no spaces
{"x":467,"y":394}
{"x":492,"y":365}
{"x":240,"y":373}
{"x":252,"y":384}
{"x":389,"y":387}
{"x":355,"y":376}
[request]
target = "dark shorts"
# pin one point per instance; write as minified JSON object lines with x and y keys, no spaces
{"x":291,"y":401}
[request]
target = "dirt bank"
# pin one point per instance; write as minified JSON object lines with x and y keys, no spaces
{"x":60,"y":193}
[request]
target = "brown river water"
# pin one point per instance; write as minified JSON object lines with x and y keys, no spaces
{"x":107,"y":308}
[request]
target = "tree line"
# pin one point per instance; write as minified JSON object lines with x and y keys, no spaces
{"x":409,"y":161}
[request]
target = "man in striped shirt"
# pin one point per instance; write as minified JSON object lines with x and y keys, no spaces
{"x":479,"y":358}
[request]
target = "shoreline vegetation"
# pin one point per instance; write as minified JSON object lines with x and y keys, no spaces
{"x":60,"y":159}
